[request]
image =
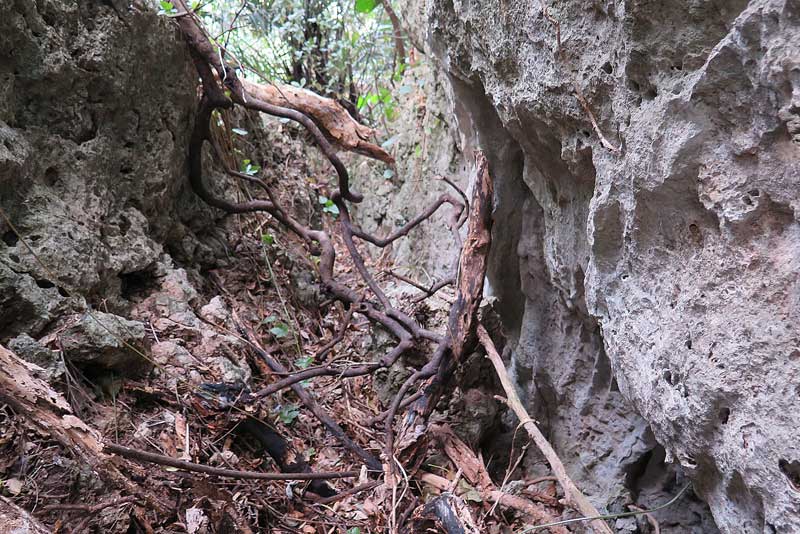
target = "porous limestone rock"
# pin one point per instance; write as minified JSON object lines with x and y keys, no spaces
{"x":105,"y":340}
{"x":96,"y":108}
{"x":654,"y":305}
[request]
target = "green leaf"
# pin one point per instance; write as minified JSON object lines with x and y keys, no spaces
{"x":267,"y":239}
{"x":304,"y":362}
{"x":239,"y":131}
{"x":288,"y":413}
{"x":331,"y":208}
{"x":354,"y":530}
{"x":249,"y":168}
{"x":389,"y":142}
{"x":166,"y":8}
{"x":268,"y":320}
{"x":279,"y":330}
{"x":365,"y":6}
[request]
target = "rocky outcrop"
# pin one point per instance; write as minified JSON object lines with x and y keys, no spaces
{"x":654,"y":302}
{"x":96,"y":108}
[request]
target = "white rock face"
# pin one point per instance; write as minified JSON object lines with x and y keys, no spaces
{"x":656,"y":297}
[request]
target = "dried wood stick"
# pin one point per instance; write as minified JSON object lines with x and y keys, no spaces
{"x":15,"y":519}
{"x":144,"y":456}
{"x":571,"y":492}
{"x":503,"y":499}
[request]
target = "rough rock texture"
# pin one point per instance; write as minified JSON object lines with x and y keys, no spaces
{"x":425,"y":148}
{"x":96,"y":107}
{"x":655,"y":299}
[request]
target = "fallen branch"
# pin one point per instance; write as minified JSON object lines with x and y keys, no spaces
{"x":33,"y":399}
{"x":144,"y":456}
{"x":496,"y":496}
{"x":476,"y":474}
{"x":89,"y":510}
{"x":450,"y":514}
{"x":571,"y":492}
{"x":15,"y":519}
{"x":460,"y":338}
{"x":334,"y":121}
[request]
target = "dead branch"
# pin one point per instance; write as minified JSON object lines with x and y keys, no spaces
{"x":15,"y":519}
{"x":332,"y":426}
{"x":571,"y":492}
{"x":346,"y":493}
{"x":494,"y":495}
{"x":89,"y":510}
{"x":45,"y":409}
{"x":463,"y":314}
{"x":476,"y":474}
{"x":458,"y":209}
{"x":450,"y":513}
{"x":331,"y":118}
{"x":144,"y":456}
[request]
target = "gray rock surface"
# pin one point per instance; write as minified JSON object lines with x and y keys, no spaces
{"x":654,"y":305}
{"x":32,"y":351}
{"x":105,"y":340}
{"x":95,"y":114}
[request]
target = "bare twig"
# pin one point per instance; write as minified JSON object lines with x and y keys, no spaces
{"x":144,"y":456}
{"x":571,"y":492}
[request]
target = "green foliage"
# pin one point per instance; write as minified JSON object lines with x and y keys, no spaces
{"x":279,"y":329}
{"x":365,"y":6}
{"x":343,"y":49}
{"x":249,"y":168}
{"x":354,"y":530}
{"x":167,"y":8}
{"x":288,"y":413}
{"x":304,"y":362}
{"x":267,"y":239}
{"x":328,"y":206}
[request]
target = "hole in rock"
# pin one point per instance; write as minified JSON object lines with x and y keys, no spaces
{"x":747,"y":200}
{"x":724,"y":415}
{"x":14,"y":258}
{"x":45,"y":284}
{"x":689,"y":343}
{"x":792,"y":471}
{"x":607,"y":68}
{"x":137,"y":283}
{"x":754,"y":192}
{"x":51,"y":176}
{"x":10,"y":239}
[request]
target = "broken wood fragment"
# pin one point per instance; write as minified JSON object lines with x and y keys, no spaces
{"x":45,"y":409}
{"x":15,"y":519}
{"x":333,"y":119}
{"x":463,"y":313}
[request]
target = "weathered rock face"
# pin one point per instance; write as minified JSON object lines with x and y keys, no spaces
{"x":96,"y":107}
{"x":655,"y":299}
